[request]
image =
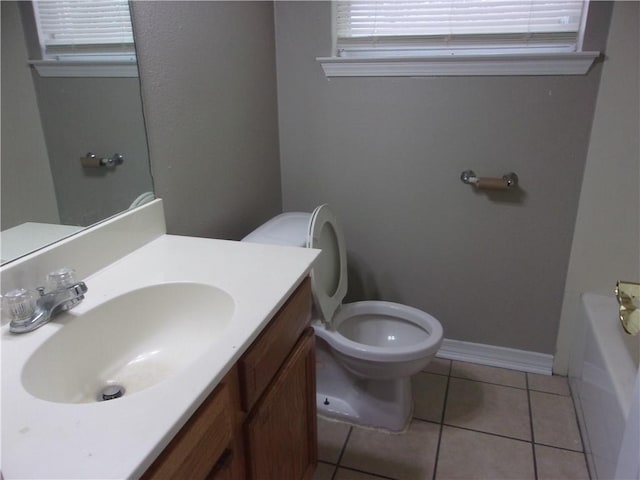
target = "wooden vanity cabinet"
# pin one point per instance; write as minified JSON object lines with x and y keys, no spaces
{"x":278,"y":385}
{"x":281,"y":431}
{"x":206,"y":444}
{"x":260,"y":421}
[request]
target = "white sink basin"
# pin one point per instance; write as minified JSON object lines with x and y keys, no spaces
{"x":135,"y":340}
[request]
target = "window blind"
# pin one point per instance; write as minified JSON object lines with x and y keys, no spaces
{"x":413,"y":25}
{"x":84,"y":27}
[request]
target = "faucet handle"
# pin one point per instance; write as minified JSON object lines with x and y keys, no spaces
{"x":61,"y":278}
{"x":21,"y":303}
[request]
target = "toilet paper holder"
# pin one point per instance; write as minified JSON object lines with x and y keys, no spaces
{"x":90,"y":160}
{"x":507,"y":182}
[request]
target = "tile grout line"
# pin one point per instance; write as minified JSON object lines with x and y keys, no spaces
{"x":489,"y":383}
{"x":526,"y":387}
{"x":549,"y":393}
{"x":493,"y":434}
{"x":531,"y":393}
{"x":335,"y":468}
{"x":484,"y":432}
{"x":507,"y":386}
{"x":564,"y":449}
{"x":339,"y":466}
{"x":575,"y":411}
{"x":584,"y":449}
{"x":375,"y":475}
{"x":533,"y":437}
{"x":344,"y":447}
{"x":444,"y":410}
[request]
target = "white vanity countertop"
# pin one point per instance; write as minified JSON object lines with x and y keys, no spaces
{"x":121,"y":438}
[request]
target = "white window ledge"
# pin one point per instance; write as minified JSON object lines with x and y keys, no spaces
{"x":56,"y":68}
{"x":576,"y":63}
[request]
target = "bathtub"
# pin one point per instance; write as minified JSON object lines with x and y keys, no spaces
{"x":605,"y":387}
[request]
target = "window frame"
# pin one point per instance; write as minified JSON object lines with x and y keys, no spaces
{"x":107,"y":62}
{"x":478,"y":61}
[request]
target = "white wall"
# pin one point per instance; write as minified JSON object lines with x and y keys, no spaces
{"x":606,"y":242}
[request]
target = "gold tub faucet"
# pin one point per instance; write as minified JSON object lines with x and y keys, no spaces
{"x":628,"y":295}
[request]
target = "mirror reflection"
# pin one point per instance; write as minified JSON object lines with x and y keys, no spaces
{"x":51,"y":117}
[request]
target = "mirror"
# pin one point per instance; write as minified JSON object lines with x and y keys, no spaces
{"x":48,"y":124}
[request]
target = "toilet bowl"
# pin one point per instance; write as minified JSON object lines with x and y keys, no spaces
{"x":366,"y":352}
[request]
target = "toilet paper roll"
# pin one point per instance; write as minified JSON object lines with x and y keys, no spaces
{"x":91,"y":162}
{"x":492,"y":183}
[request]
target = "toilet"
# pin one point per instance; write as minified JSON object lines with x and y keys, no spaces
{"x":366,"y":352}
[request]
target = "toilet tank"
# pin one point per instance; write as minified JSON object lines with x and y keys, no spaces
{"x":290,"y":229}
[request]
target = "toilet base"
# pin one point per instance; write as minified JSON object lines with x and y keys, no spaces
{"x":385,"y":404}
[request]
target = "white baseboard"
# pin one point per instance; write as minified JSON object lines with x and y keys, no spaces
{"x":494,"y":356}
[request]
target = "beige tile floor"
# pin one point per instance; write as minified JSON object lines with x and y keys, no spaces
{"x":470,"y":422}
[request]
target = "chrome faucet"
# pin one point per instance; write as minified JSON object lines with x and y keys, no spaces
{"x":30,"y":311}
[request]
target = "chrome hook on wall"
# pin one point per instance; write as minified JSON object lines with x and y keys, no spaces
{"x":508,"y":181}
{"x":90,"y":160}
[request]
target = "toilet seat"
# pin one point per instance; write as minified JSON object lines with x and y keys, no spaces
{"x":415,"y":333}
{"x":329,"y":274}
{"x":357,"y":331}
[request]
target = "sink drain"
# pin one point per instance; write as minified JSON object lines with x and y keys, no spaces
{"x":110,"y":392}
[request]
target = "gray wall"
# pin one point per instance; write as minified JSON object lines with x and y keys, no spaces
{"x":387,"y":153}
{"x":27,"y":184}
{"x":49,"y":123}
{"x":102,"y":116}
{"x":209,"y":90}
{"x":606,"y":243}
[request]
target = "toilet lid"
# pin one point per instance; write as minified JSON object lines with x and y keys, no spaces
{"x":329,"y":273}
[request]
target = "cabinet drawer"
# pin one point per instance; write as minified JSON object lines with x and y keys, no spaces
{"x":260,"y":363}
{"x":198,"y":446}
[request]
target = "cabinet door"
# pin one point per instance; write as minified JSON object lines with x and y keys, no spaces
{"x":196,"y":448}
{"x":262,"y":361}
{"x":224,"y":468}
{"x":282,"y":432}
{"x":209,"y":444}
